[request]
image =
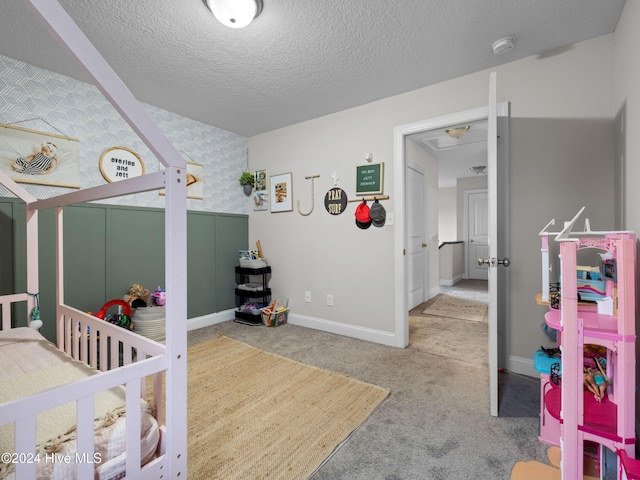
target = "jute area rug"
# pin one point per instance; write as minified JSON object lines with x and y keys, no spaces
{"x":256,"y":415}
{"x":460,"y":308}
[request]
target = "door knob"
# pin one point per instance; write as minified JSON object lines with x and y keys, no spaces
{"x":505,"y":262}
{"x":424,"y":245}
{"x":492,"y":262}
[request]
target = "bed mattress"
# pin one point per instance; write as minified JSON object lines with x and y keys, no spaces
{"x":29,"y":364}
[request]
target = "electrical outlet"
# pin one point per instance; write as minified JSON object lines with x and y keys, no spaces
{"x":307,"y":296}
{"x":330,"y":300}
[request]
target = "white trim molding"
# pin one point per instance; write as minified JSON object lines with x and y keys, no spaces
{"x":354,"y":331}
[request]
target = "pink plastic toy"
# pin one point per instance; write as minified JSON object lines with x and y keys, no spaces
{"x":159,"y":296}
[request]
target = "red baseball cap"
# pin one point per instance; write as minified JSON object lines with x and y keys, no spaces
{"x":363,"y":219}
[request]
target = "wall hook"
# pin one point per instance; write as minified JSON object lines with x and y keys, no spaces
{"x":312,"y":196}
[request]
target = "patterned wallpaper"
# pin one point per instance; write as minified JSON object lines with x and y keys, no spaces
{"x":58,"y":104}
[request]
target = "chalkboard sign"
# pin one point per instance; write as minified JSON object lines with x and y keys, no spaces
{"x":370,"y":179}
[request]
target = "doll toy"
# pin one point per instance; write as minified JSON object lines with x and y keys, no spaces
{"x":595,"y":380}
{"x":138,"y":296}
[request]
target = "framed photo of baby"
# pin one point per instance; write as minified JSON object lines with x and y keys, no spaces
{"x":31,"y":156}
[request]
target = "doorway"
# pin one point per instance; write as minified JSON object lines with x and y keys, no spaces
{"x":498,"y":306}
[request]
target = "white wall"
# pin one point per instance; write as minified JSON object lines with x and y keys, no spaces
{"x":451,"y":256}
{"x":627,"y":110}
{"x":561,"y":147}
{"x":447,"y":215}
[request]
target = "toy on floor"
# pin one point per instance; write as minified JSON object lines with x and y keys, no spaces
{"x":121,"y":319}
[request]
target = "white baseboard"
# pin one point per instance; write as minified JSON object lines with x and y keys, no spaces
{"x":211,"y":319}
{"x":522,"y":366}
{"x":452,"y":282}
{"x":362,"y":333}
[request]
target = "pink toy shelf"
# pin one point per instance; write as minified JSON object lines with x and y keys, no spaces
{"x":571,"y":417}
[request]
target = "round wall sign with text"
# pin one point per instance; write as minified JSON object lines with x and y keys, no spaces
{"x":120,"y":163}
{"x":335,"y":201}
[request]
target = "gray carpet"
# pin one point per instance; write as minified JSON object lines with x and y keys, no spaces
{"x":435,"y":425}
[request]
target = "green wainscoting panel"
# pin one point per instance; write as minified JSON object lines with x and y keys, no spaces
{"x":108,"y":248}
{"x":135,"y":249}
{"x":47,"y":271}
{"x":12,"y":238}
{"x":85,"y":270}
{"x":201,"y":265}
{"x":6,"y":248}
{"x":232,"y":234}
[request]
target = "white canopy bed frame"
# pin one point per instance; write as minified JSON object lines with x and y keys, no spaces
{"x":151,"y":358}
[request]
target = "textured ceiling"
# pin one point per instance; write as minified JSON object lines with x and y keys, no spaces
{"x":299,"y":59}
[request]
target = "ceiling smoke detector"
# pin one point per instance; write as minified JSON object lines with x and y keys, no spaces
{"x":503,"y":45}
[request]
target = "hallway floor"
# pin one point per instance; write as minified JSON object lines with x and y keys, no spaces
{"x":477,"y":290}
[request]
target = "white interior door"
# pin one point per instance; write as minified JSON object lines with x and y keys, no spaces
{"x":477,"y":212}
{"x":492,"y":183}
{"x":416,"y":258}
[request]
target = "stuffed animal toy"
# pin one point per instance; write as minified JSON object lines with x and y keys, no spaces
{"x":160,"y":296}
{"x":138,"y":296}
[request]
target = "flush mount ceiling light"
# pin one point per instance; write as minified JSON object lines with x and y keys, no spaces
{"x":458,"y":131}
{"x":234,"y":13}
{"x":479,"y":170}
{"x":503,"y":45}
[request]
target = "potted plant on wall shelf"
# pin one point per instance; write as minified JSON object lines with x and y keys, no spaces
{"x":247,"y":181}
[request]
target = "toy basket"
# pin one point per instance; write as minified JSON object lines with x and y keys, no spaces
{"x":274,"y":319}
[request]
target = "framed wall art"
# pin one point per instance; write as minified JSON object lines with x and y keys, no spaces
{"x":194,"y":181}
{"x":31,"y":156}
{"x":281,"y":192}
{"x":261,"y":192}
{"x":261,"y":201}
{"x":261,"y":181}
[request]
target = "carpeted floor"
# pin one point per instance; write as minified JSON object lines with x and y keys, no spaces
{"x":435,"y":424}
{"x":440,"y":328}
{"x":443,"y":337}
{"x":458,"y":308}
